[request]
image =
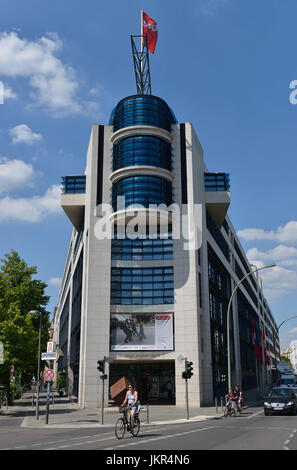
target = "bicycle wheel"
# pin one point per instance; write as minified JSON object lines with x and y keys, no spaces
{"x":135,"y":430}
{"x":120,"y":428}
{"x":227,"y":411}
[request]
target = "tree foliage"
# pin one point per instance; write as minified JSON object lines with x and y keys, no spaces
{"x":21,"y":293}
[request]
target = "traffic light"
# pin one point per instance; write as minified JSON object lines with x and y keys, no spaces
{"x":189,"y":369}
{"x":101,"y":366}
{"x":188,"y":372}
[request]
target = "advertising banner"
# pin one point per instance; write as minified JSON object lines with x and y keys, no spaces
{"x":139,"y":332}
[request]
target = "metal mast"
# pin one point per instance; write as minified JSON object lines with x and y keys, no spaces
{"x":141,"y":66}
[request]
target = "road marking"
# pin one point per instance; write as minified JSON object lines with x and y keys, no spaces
{"x":93,"y":441}
{"x":287,"y":442}
{"x":138,"y":442}
{"x":79,"y":443}
{"x":254,"y":414}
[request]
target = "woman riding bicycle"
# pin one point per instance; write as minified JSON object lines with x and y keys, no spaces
{"x":132,"y":400}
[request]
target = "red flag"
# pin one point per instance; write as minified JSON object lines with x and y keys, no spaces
{"x":149,"y":29}
{"x":265,"y":349}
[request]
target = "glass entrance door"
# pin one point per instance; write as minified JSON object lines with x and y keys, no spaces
{"x":155,"y":381}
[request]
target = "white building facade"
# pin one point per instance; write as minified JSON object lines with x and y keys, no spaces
{"x":150,"y":301}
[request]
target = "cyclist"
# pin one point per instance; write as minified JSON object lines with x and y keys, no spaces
{"x":238,"y":397}
{"x":231,"y":396}
{"x":132,"y":400}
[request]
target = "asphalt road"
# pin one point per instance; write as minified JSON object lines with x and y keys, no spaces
{"x":250,"y":431}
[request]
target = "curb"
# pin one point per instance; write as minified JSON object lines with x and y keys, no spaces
{"x":26,"y":423}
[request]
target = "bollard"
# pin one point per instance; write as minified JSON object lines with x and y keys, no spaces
{"x":216,"y":404}
{"x":147,"y":413}
{"x":47,"y":402}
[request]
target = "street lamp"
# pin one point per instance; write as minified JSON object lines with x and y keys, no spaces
{"x":37,"y":313}
{"x":290,"y":318}
{"x":228,"y":318}
{"x":295,"y":316}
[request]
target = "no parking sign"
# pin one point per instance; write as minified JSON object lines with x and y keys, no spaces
{"x":49,"y":375}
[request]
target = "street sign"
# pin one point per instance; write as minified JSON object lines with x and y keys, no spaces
{"x":49,"y":356}
{"x":49,"y":375}
{"x":51,"y":347}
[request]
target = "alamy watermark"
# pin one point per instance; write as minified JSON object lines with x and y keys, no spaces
{"x":293,"y":94}
{"x":157,"y":221}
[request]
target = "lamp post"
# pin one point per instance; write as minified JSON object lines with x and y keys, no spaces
{"x":37,"y":313}
{"x":228,"y":318}
{"x":295,"y":316}
{"x":290,"y":318}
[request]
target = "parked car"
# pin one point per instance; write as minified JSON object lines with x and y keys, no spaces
{"x":280,"y":400}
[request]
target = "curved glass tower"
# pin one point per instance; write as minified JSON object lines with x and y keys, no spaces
{"x":142,"y":151}
{"x":142,"y":174}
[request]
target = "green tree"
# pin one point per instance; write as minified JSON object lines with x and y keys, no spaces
{"x":19,"y":330}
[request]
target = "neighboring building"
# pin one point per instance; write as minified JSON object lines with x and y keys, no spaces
{"x":148,"y":303}
{"x":292,"y":354}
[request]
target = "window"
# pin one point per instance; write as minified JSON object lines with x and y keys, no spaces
{"x":142,"y":150}
{"x":143,"y":249}
{"x":144,"y":190}
{"x":151,"y":286}
{"x":142,"y":109}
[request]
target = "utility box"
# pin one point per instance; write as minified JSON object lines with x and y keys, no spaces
{"x":119,"y":389}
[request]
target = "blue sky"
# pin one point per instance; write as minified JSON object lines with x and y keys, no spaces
{"x":224,"y":65}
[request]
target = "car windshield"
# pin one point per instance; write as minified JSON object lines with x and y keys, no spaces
{"x":280,"y":392}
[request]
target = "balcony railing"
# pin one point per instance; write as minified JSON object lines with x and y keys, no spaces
{"x":217,"y":181}
{"x":74,"y":184}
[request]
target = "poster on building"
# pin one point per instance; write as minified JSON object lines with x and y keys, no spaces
{"x":141,"y":332}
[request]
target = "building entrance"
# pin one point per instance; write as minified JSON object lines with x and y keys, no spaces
{"x":155,"y":381}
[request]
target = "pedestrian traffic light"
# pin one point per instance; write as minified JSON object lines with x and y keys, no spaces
{"x":101,"y":366}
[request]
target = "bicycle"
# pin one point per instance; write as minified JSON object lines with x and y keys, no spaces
{"x":122,"y":425}
{"x":239,"y":407}
{"x":229,"y":410}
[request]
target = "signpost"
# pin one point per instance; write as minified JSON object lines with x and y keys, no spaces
{"x":48,"y":376}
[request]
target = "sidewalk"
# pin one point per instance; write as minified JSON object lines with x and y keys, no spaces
{"x":63,"y":414}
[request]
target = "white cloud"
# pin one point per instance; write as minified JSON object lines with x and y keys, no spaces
{"x":32,"y":209}
{"x":283,"y":234}
{"x":281,"y":254}
{"x":55,"y":281}
{"x":54,"y":85}
{"x":293,"y":331}
{"x":15,"y":174}
{"x":282,"y":279}
{"x":9,"y":94}
{"x":23,"y":134}
{"x":277,"y":281}
{"x":210,"y":7}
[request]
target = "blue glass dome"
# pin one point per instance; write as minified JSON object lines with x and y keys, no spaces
{"x":142,"y":110}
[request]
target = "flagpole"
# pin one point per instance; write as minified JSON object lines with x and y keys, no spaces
{"x":141,"y":31}
{"x":141,"y":40}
